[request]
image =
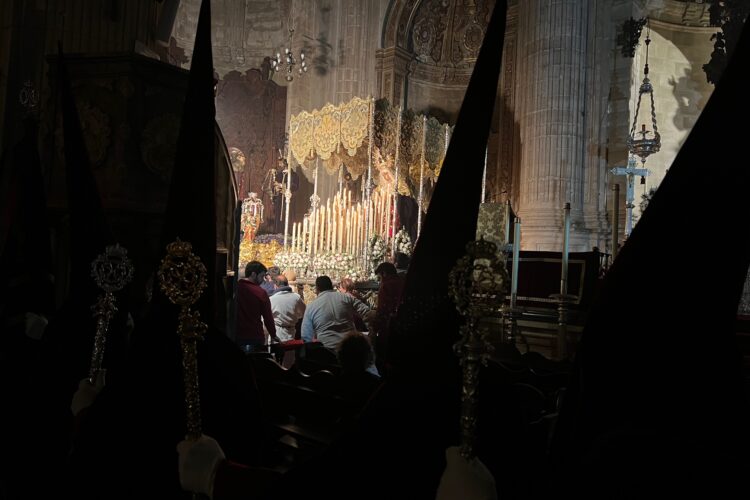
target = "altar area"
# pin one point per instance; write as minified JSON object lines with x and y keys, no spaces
{"x":379,"y":156}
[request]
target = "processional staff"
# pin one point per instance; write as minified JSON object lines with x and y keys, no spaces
{"x":287,"y":192}
{"x":111,"y":270}
{"x":314,"y":203}
{"x":630,"y":172}
{"x":563,"y":299}
{"x":368,"y":187}
{"x":420,"y":199}
{"x":484,"y":173}
{"x":182,"y":278}
{"x":615,"y":219}
{"x":395,"y":183}
{"x":512,"y":312}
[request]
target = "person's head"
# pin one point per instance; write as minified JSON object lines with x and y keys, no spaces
{"x":402,"y":261}
{"x":273,"y":271}
{"x":280,"y":281}
{"x":346,"y":285}
{"x":290,"y":275}
{"x":385,"y":269}
{"x":323,"y":283}
{"x":354,"y":353}
{"x":255,"y":272}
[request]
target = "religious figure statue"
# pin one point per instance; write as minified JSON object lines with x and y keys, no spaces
{"x":274,"y":187}
{"x":252,"y":216}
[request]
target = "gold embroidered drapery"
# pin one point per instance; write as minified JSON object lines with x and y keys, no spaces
{"x":338,"y":135}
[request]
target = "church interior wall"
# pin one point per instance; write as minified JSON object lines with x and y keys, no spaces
{"x":342,"y":37}
{"x":676,"y":57}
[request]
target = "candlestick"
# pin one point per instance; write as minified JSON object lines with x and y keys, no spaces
{"x":516,"y":249}
{"x":484,"y":172}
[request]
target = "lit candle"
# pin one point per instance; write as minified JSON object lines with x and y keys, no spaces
{"x":347,"y":246}
{"x":319,"y":239}
{"x":335,"y":231}
{"x":341,"y":232}
{"x":328,"y":224}
{"x":294,"y":236}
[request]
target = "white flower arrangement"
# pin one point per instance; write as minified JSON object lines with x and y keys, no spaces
{"x":376,"y":250}
{"x":337,"y":266}
{"x":402,"y":242}
{"x":297,"y":261}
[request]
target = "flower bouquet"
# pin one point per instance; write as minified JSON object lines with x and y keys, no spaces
{"x":376,"y":250}
{"x":402,"y":242}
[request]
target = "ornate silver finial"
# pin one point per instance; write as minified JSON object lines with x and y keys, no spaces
{"x":28,"y":96}
{"x":477,"y":284}
{"x":111,"y":270}
{"x":182,"y":278}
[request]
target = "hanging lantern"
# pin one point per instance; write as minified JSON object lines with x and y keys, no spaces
{"x":649,"y":141}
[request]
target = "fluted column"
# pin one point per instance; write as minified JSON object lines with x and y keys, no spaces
{"x":552,"y":48}
{"x":600,"y":45}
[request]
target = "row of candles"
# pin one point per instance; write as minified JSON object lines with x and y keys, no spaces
{"x":341,"y":227}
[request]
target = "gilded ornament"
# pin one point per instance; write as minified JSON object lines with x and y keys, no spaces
{"x":477,"y":285}
{"x":182,"y":278}
{"x":112,"y":271}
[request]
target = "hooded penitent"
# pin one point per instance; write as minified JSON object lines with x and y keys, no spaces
{"x":90,"y":232}
{"x":657,"y":396}
{"x":427,"y":323}
{"x":25,"y":251}
{"x":398,"y":448}
{"x":137,"y":423}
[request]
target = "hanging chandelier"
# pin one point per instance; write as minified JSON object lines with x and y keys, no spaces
{"x":288,"y":62}
{"x":650,"y":140}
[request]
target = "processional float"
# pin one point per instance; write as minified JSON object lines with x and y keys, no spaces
{"x":391,"y":152}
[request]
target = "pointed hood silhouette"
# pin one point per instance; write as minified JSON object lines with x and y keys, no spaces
{"x":141,"y":418}
{"x":26,"y":255}
{"x":657,"y":385}
{"x":90,"y":232}
{"x":414,"y":416}
{"x":427,"y":322}
{"x":191,"y":208}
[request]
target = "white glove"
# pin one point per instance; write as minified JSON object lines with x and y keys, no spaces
{"x":198,"y":461}
{"x":87,"y":393}
{"x":35,"y":325}
{"x":467,"y":480}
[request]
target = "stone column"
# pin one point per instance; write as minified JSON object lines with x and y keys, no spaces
{"x":599,"y":60}
{"x":552,"y":49}
{"x":504,"y":139}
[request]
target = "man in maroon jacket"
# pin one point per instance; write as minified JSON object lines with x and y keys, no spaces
{"x":252,"y":305}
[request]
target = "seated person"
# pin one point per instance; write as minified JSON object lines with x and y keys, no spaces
{"x":357,"y":381}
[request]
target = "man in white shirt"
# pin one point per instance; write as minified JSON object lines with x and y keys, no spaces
{"x":287,"y":308}
{"x":331,"y":315}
